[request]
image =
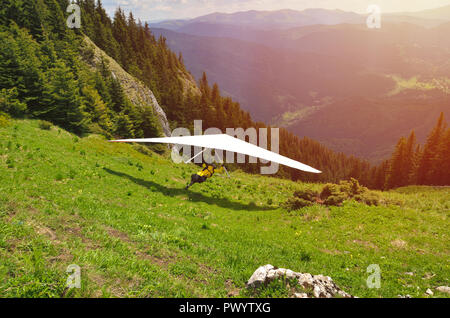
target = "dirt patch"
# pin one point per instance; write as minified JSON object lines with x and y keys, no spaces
{"x":232,"y":290}
{"x":44,"y":231}
{"x":11,"y":210}
{"x":33,"y":210}
{"x":160,"y":261}
{"x":398,"y":243}
{"x":99,"y":280}
{"x":65,"y":257}
{"x":207,"y":269}
{"x":118,"y":234}
{"x":366,"y":244}
{"x":73,"y":229}
{"x":178,"y":180}
{"x":330,"y":252}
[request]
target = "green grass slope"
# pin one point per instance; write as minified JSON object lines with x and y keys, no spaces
{"x":126,"y":220}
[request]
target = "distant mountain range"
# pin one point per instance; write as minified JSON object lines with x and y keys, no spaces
{"x":303,"y":70}
{"x":285,"y":19}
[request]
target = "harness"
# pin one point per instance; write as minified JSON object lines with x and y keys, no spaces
{"x":207,"y":172}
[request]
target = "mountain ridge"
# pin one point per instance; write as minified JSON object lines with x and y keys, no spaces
{"x":285,"y":18}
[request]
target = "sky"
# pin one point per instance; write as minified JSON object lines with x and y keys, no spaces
{"x":156,"y":10}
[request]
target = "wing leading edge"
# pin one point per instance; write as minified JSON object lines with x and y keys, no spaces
{"x":227,"y":143}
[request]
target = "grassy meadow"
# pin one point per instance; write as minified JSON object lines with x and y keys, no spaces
{"x":124,"y":217}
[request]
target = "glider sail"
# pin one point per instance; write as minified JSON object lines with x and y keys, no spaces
{"x":227,"y":143}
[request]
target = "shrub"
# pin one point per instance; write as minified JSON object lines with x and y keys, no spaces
{"x":307,"y":195}
{"x":369,"y":198}
{"x":4,"y":120}
{"x":295,"y":203}
{"x":328,"y":190}
{"x":45,"y":125}
{"x":333,"y":195}
{"x":335,"y":200}
{"x":352,"y":187}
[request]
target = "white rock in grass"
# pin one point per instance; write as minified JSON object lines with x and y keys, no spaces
{"x":321,"y":286}
{"x":290,"y":274}
{"x":259,"y":276}
{"x":443,"y":289}
{"x":429,"y":292}
{"x":317,"y":292}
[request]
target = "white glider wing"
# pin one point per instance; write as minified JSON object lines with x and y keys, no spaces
{"x":227,"y":143}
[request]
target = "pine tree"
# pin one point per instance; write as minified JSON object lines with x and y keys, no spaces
{"x":30,"y":16}
{"x":124,"y":126}
{"x":20,"y":65}
{"x":96,"y":108}
{"x":441,"y":161}
{"x":409,"y":160}
{"x":396,"y":175}
{"x":61,"y":101}
{"x":426,"y":173}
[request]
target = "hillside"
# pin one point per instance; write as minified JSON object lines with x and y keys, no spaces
{"x":124,"y":218}
{"x":135,"y":90}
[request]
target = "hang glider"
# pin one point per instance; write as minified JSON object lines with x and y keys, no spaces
{"x":227,"y":143}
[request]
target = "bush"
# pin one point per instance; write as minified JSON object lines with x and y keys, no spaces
{"x":335,"y":200}
{"x":333,"y":195}
{"x":45,"y":125}
{"x":352,"y":187}
{"x":369,"y":198}
{"x":328,"y":190}
{"x":295,"y":203}
{"x":4,"y":120}
{"x":307,"y":195}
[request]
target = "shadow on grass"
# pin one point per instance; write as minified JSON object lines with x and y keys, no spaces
{"x":194,"y":197}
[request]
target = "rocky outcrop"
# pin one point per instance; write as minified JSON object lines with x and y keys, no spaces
{"x":136,"y":91}
{"x":314,"y":286}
